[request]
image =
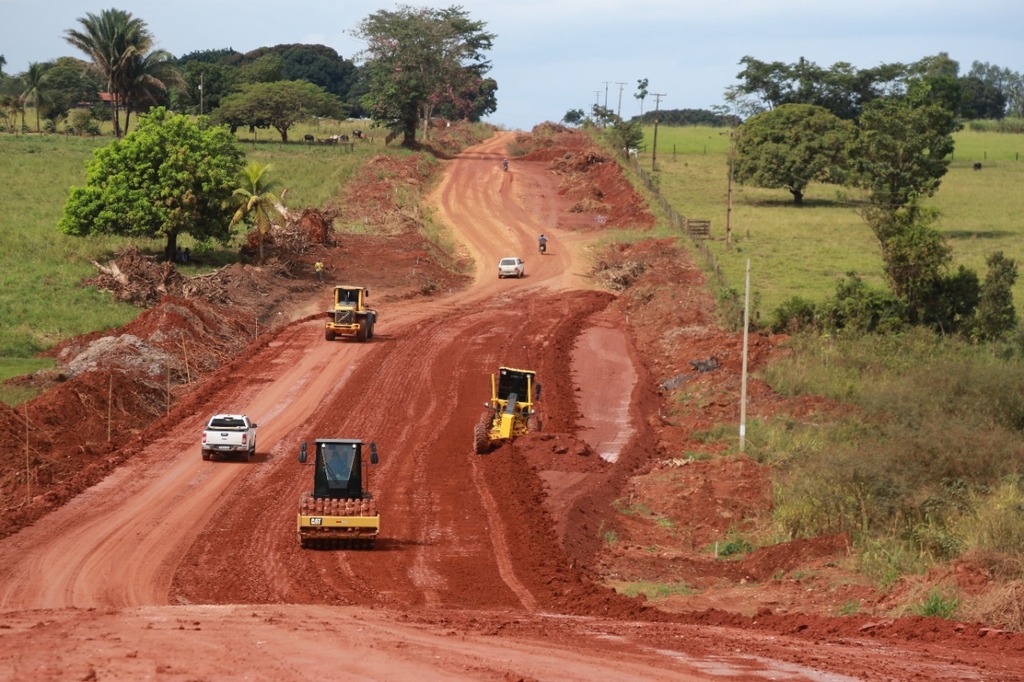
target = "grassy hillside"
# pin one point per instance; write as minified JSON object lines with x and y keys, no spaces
{"x":802,"y":251}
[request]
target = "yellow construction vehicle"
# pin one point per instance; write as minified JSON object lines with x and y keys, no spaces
{"x":511,"y":411}
{"x":338,"y":511}
{"x":350,"y":316}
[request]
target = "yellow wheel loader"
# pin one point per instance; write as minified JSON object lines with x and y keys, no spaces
{"x":339,"y":511}
{"x":511,"y":411}
{"x":350,"y":316}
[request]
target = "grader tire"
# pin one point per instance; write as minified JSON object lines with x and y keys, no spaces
{"x":480,"y":439}
{"x":361,"y":332}
{"x":533,"y":424}
{"x":329,"y":334}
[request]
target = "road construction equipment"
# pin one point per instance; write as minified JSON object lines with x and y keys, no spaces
{"x":339,"y":511}
{"x":350,"y":316}
{"x":511,"y":411}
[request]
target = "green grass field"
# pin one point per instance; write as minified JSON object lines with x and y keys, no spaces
{"x":802,"y":251}
{"x":41,"y":300}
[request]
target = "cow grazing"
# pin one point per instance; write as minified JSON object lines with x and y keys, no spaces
{"x":977,"y":165}
{"x":308,"y":138}
{"x":358,"y":134}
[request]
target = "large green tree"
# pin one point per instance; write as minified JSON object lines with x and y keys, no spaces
{"x":790,"y":147}
{"x":418,"y":60}
{"x":69,"y":83}
{"x":165,"y":178}
{"x":900,"y":150}
{"x":279,"y":105}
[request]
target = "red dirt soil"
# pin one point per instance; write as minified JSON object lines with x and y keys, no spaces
{"x":143,"y":560}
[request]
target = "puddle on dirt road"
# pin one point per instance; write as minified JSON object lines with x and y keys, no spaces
{"x":603,"y":371}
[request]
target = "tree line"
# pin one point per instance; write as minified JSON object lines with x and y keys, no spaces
{"x":420,"y":62}
{"x":986,"y":91}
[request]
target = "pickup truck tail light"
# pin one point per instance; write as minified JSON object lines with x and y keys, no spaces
{"x":204,"y":437}
{"x":245,"y":438}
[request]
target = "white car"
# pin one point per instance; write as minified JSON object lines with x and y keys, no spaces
{"x":511,"y":267}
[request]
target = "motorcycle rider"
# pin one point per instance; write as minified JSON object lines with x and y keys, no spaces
{"x":542,"y":243}
{"x":504,"y":164}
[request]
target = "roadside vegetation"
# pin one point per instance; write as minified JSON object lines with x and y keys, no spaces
{"x":922,"y":464}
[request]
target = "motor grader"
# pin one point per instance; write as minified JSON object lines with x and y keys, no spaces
{"x":339,"y":511}
{"x":350,"y":317}
{"x":511,"y":411}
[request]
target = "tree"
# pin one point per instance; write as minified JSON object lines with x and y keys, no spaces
{"x":981,"y":99}
{"x":791,"y":146}
{"x":143,"y":81}
{"x":419,"y":59}
{"x":476,"y":99}
{"x":574,"y":117}
{"x":109,"y":39}
{"x":257,"y":200}
{"x":641,"y":93}
{"x":625,"y":135}
{"x":279,"y":105}
{"x":33,"y":93}
{"x":899,"y":151}
{"x":165,"y":178}
{"x":996,"y":313}
{"x":69,"y":83}
{"x":204,"y":86}
{"x":267,"y":68}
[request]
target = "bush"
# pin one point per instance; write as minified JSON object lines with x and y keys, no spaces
{"x":856,"y":307}
{"x":793,"y":316}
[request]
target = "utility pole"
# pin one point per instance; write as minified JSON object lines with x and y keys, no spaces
{"x":606,"y":84}
{"x":200,"y":94}
{"x":619,"y":111}
{"x":743,"y":376}
{"x":654,"y":147}
{"x":597,"y":98}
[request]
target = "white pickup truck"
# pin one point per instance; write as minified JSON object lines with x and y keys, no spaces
{"x":229,"y":434}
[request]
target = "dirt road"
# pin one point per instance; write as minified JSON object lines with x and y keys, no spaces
{"x":177,"y":568}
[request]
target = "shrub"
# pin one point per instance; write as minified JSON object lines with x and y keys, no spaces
{"x":793,"y":316}
{"x":855,"y":307}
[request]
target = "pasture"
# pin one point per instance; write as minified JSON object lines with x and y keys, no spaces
{"x":802,"y":251}
{"x":41,"y":301}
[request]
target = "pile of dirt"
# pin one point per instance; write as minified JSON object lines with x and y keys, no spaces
{"x":602,"y":196}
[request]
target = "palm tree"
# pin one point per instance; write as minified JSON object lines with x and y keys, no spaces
{"x":256,"y":198}
{"x":33,"y":88}
{"x":144,"y":80}
{"x":120,"y":48}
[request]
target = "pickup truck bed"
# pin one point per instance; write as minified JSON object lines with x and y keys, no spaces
{"x":229,"y":434}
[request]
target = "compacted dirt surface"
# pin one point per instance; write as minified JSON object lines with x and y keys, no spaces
{"x":135,"y":559}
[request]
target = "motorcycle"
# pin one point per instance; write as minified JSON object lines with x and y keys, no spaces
{"x":542,"y":246}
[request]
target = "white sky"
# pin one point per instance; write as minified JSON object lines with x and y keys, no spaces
{"x":555,"y":55}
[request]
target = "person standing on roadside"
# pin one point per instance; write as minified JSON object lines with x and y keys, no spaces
{"x":318,"y":268}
